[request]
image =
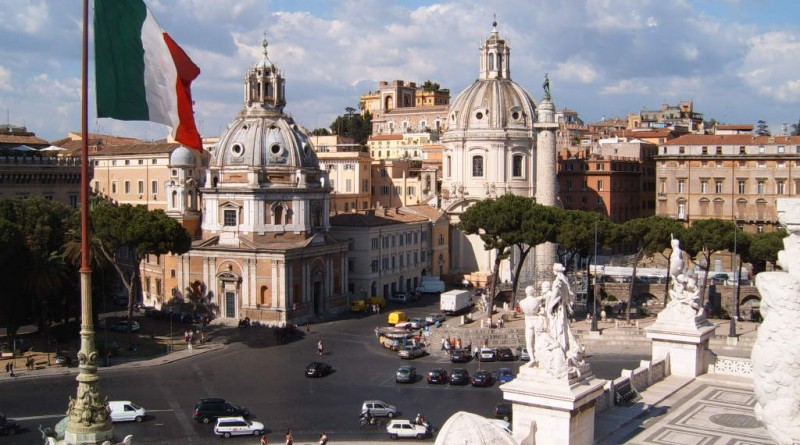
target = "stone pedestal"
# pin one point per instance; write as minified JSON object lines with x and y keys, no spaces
{"x":684,"y":339}
{"x":554,"y":411}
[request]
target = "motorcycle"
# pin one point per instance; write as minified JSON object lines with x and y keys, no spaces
{"x":365,"y":420}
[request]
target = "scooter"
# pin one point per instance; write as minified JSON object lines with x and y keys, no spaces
{"x":367,"y":420}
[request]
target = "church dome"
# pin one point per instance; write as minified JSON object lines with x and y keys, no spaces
{"x":182,"y":157}
{"x":262,"y":135}
{"x":494,"y":101}
{"x":263,"y":142}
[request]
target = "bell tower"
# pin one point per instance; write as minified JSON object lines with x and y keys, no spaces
{"x":264,"y":90}
{"x":495,"y":57}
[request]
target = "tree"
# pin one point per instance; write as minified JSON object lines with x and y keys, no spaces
{"x":355,"y":125}
{"x":763,"y":249}
{"x":796,"y":129}
{"x":493,"y":220}
{"x":139,"y":232}
{"x":539,"y":226}
{"x":320,"y":132}
{"x":762,"y":129}
{"x":706,"y":237}
{"x":431,"y":86}
{"x":576,"y":235}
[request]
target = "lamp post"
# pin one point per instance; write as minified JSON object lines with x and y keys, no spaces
{"x":735,"y":296}
{"x":595,"y":292}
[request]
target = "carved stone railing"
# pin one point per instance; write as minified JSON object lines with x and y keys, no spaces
{"x":731,"y":366}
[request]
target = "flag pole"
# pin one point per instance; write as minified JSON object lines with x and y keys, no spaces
{"x":88,"y":420}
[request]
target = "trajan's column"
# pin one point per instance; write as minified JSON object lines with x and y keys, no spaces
{"x":546,"y":181}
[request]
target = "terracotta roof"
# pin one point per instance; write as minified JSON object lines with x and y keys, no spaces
{"x":376,"y":218}
{"x":748,"y":127}
{"x":386,"y":137}
{"x":660,"y":133}
{"x":31,"y":141}
{"x":133,"y":149}
{"x":733,"y":139}
{"x":432,"y":213}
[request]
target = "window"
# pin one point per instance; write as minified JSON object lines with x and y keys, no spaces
{"x":599,"y":184}
{"x":229,"y":218}
{"x":569,"y":184}
{"x":375,"y":243}
{"x":448,"y":165}
{"x":718,"y":186}
{"x":441,"y":239}
{"x":383,"y":173}
{"x":704,"y":186}
{"x":568,"y":200}
{"x":742,"y":150}
{"x":385,"y":190}
{"x":398,"y":190}
{"x":681,"y":186}
{"x":140,"y":187}
{"x":386,"y":264}
{"x":781,"y":185}
{"x":781,"y":149}
{"x":742,"y":185}
{"x":114,"y":187}
{"x":374,"y":266}
{"x":154,"y":187}
{"x":681,"y":150}
{"x":761,"y":149}
{"x":127,"y":187}
{"x":599,"y":200}
{"x":412,"y":191}
{"x":516,"y":166}
{"x":719,"y":150}
{"x":477,"y":166}
{"x":584,"y":184}
{"x":705,"y":150}
{"x":348,"y":185}
{"x":761,"y":185}
{"x":364,"y":186}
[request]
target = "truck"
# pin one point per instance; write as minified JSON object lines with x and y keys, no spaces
{"x":455,"y":301}
{"x":431,"y":285}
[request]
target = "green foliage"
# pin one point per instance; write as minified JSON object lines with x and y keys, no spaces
{"x":764,"y":248}
{"x":576,"y":235}
{"x":654,"y":233}
{"x":430,"y":86}
{"x":320,"y":132}
{"x":762,"y":129}
{"x":355,"y":125}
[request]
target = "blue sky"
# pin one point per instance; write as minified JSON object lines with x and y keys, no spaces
{"x":738,"y":60}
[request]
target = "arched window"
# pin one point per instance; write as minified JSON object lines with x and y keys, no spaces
{"x":499,"y":62}
{"x":448,"y":167}
{"x":174,"y":199}
{"x":277,"y":215}
{"x":477,"y":166}
{"x":491,"y":62}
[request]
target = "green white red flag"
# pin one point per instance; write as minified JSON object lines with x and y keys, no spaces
{"x":141,"y":73}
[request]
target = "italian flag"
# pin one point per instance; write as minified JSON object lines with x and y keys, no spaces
{"x":141,"y":73}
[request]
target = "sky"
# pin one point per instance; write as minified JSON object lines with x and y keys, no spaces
{"x":738,"y":60}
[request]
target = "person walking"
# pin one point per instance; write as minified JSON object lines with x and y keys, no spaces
{"x":289,"y":438}
{"x":264,"y":440}
{"x":323,"y":439}
{"x":320,"y":349}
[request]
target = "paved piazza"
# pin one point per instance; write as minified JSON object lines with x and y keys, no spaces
{"x":706,"y":413}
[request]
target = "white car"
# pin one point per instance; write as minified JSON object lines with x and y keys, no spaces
{"x":487,"y":355}
{"x":523,"y":353}
{"x":404,"y":428}
{"x":237,"y":426}
{"x":126,"y":411}
{"x":417,"y":323}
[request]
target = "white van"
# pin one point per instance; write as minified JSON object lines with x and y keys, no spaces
{"x":126,"y":411}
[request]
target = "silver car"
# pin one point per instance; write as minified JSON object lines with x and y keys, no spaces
{"x":411,"y":352}
{"x":378,"y":408}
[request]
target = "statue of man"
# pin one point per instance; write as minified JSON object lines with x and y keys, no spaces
{"x":559,"y":310}
{"x":531,"y":306}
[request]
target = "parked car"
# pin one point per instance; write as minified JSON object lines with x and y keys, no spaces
{"x":122,"y":326}
{"x":318,"y":369}
{"x":460,"y":356}
{"x":404,"y":429}
{"x":482,"y":378}
{"x":459,"y":376}
{"x":505,"y":355}
{"x":211,"y":408}
{"x":438,"y":376}
{"x":126,"y":411}
{"x":417,"y":323}
{"x":237,"y":426}
{"x":411,"y":352}
{"x":503,"y":411}
{"x":486,"y":355}
{"x":406,"y":374}
{"x":358,"y":306}
{"x":8,"y":427}
{"x":523,"y":354}
{"x":505,"y":375}
{"x":64,"y":359}
{"x":433,"y":317}
{"x":378,"y":408}
{"x":399,"y":298}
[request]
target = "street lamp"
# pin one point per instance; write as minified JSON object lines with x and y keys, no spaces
{"x":735,"y":296}
{"x":594,"y":285}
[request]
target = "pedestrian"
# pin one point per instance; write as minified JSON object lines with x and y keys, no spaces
{"x":308,"y":327}
{"x":443,"y":341}
{"x":202,"y":338}
{"x":8,"y":367}
{"x":190,"y":339}
{"x":289,"y":438}
{"x":323,"y":439}
{"x":12,"y":368}
{"x":319,"y":348}
{"x":264,"y":440}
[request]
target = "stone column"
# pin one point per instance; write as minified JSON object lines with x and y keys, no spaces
{"x":546,"y":181}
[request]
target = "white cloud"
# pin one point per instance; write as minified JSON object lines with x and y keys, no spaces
{"x":627,"y":87}
{"x":29,"y":18}
{"x":770,"y":65}
{"x":575,"y":69}
{"x":5,"y":79}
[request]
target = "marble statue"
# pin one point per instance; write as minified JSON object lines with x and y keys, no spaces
{"x":776,"y":354}
{"x":684,"y":294}
{"x":555,"y":349}
{"x":535,"y":323}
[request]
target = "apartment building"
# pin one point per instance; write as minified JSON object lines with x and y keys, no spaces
{"x":349,"y":172}
{"x":728,"y":176}
{"x":399,"y":107}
